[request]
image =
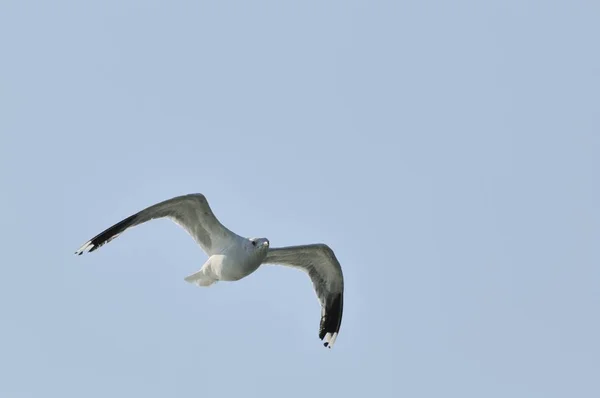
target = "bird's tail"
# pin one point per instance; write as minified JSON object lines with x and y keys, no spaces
{"x":200,"y":278}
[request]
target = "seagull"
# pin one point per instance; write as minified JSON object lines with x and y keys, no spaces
{"x":232,"y":257}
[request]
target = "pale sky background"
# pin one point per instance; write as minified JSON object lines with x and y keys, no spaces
{"x":448,"y":151}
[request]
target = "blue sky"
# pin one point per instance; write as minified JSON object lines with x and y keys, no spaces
{"x":447,"y":152}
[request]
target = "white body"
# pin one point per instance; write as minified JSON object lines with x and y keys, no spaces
{"x":234,"y":263}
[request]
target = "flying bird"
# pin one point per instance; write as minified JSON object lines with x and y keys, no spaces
{"x":232,"y":257}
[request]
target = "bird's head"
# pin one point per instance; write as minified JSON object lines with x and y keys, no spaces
{"x":260,"y":245}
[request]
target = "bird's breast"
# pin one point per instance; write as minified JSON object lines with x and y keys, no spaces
{"x":235,"y":266}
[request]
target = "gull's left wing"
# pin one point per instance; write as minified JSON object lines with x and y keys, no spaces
{"x":325,"y":272}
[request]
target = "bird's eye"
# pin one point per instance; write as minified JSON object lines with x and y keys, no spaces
{"x":253,"y":243}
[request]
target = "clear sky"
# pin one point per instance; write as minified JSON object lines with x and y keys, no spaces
{"x":448,"y":151}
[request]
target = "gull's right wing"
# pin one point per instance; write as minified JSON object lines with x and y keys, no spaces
{"x":191,"y":212}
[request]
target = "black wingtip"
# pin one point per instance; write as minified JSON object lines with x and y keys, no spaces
{"x":110,"y":233}
{"x":332,"y":318}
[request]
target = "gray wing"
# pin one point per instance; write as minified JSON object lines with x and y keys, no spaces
{"x":191,"y":212}
{"x":325,"y":272}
